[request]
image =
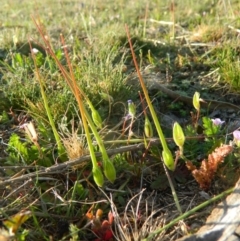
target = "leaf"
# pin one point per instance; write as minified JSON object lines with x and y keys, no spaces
{"x":16,"y":147}
{"x":80,"y":190}
{"x":209,"y":128}
{"x":14,"y":222}
{"x":4,"y":117}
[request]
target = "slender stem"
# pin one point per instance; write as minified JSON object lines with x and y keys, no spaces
{"x":61,"y":148}
{"x":173,"y":190}
{"x":96,"y":135}
{"x":71,"y":81}
{"x":153,"y":113}
{"x":78,"y":95}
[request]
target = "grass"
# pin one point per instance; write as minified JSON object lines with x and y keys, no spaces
{"x":198,"y":53}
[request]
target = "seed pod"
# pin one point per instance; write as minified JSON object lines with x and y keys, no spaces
{"x":168,"y":159}
{"x":148,"y":130}
{"x":98,"y":176}
{"x":109,"y":170}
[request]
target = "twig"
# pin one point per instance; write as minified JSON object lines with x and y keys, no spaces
{"x":62,"y":167}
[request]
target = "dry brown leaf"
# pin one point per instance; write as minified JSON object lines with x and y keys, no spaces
{"x":208,"y":168}
{"x":190,"y":166}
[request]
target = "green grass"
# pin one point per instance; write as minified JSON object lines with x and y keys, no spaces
{"x":200,"y":53}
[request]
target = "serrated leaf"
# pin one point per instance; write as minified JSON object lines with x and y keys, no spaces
{"x":209,"y":128}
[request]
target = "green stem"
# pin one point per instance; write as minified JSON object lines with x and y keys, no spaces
{"x":96,"y":135}
{"x":90,"y":146}
{"x":152,"y":111}
{"x":173,"y":190}
{"x":61,"y":149}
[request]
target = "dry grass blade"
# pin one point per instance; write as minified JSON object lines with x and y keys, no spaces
{"x":140,"y":217}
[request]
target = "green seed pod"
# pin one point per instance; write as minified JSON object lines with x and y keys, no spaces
{"x":178,"y":135}
{"x":98,"y":176}
{"x":109,"y":170}
{"x":168,"y":159}
{"x":196,"y":101}
{"x":148,"y":130}
{"x":96,"y":118}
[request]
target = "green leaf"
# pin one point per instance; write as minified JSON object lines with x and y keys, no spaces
{"x":80,"y":190}
{"x":16,"y":147}
{"x":4,"y":117}
{"x":209,"y":128}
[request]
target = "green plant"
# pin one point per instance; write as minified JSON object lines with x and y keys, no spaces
{"x":229,"y":65}
{"x":4,"y":117}
{"x":61,"y":149}
{"x":108,"y":167}
{"x":20,"y":151}
{"x":74,"y":232}
{"x":166,"y":153}
{"x":26,"y":152}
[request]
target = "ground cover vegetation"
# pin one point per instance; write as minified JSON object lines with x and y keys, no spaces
{"x":119,"y":119}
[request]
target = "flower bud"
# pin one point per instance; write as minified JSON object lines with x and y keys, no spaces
{"x":236,"y":135}
{"x":168,"y":159}
{"x":109,"y":170}
{"x":131,"y":108}
{"x":98,"y":176}
{"x":196,"y":101}
{"x":217,"y":122}
{"x":178,"y":135}
{"x":148,"y":130}
{"x":99,"y":213}
{"x":110,"y":217}
{"x":96,"y":118}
